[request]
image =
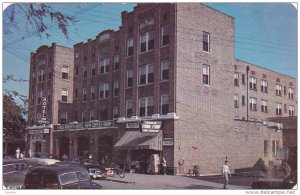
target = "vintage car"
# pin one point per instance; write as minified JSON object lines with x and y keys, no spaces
{"x":59,"y":176}
{"x":287,"y":183}
{"x":96,"y":171}
{"x":33,"y":161}
{"x":14,"y":171}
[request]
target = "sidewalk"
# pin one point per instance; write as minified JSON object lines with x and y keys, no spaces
{"x":169,"y":182}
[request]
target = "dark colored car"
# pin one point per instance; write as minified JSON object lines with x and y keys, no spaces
{"x":287,"y":183}
{"x":96,"y":171}
{"x":14,"y":171}
{"x":59,"y":176}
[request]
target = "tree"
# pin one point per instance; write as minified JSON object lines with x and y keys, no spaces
{"x":13,"y":121}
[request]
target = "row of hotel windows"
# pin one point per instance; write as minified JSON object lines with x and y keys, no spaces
{"x":264,"y":105}
{"x":146,"y":107}
{"x":264,"y":86}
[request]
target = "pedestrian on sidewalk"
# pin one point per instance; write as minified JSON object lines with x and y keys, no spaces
{"x":181,"y":166}
{"x":226,"y":174}
{"x":164,"y":165}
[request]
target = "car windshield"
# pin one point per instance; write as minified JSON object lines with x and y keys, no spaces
{"x":72,"y":177}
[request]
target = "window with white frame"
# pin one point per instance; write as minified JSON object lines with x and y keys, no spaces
{"x":164,"y":102}
{"x":129,"y":46}
{"x":236,"y":79}
{"x":64,"y":95}
{"x":63,"y":117}
{"x":116,"y":88}
{"x":165,"y":37}
{"x":236,"y":100}
{"x":145,"y":23}
{"x":65,"y":72}
{"x":206,"y":74}
{"x":115,"y":112}
{"x":93,"y":93}
{"x":264,"y":86}
{"x":116,"y":62}
{"x":264,"y":105}
{"x":253,"y":103}
{"x":147,"y":41}
{"x":92,"y":115}
{"x":278,"y":90}
{"x":252,"y":83}
{"x":164,"y":70}
{"x":206,"y":42}
{"x":84,"y":96}
{"x":129,"y":76}
{"x":146,"y":106}
{"x":104,"y":90}
{"x":104,"y":65}
{"x":146,"y":74}
{"x":129,"y":108}
{"x":291,"y":93}
{"x":83,"y":116}
{"x":278,"y":108}
{"x":291,"y":110}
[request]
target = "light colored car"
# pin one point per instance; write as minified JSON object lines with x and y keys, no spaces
{"x":33,"y":162}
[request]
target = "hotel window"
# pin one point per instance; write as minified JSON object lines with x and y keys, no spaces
{"x":236,"y":100}
{"x":147,"y":41}
{"x":164,"y":102}
{"x":253,"y":102}
{"x":146,"y":74}
{"x":65,"y":72}
{"x":164,"y":70}
{"x":92,"y":115}
{"x":64,"y":95}
{"x":40,"y":95}
{"x":83,"y":116}
{"x":278,"y":90}
{"x":206,"y":74}
{"x":165,"y":37}
{"x":76,"y":54}
{"x":84,"y":97}
{"x":252,"y":83}
{"x":49,"y":73}
{"x":206,"y":42}
{"x":76,"y":70}
{"x":146,"y":106}
{"x":291,"y":93}
{"x":243,"y":79}
{"x":264,"y":105}
{"x":115,"y":112}
{"x":93,"y":69}
{"x":116,"y":62}
{"x":33,"y":77}
{"x":116,"y":88}
{"x":76,"y":93}
{"x":278,"y":108}
{"x":275,"y":147}
{"x":264,"y":86}
{"x":85,"y":74}
{"x":130,"y":47}
{"x":243,"y":100}
{"x":291,"y":110}
{"x":128,"y":108}
{"x":93,"y":94}
{"x":129,"y":76}
{"x":104,"y":90}
{"x":104,"y":65}
{"x":266,"y":146}
{"x":284,"y":90}
{"x":63,"y":118}
{"x":146,"y":23}
{"x":49,"y":95}
{"x":42,"y":75}
{"x":285,"y":108}
{"x":236,"y":79}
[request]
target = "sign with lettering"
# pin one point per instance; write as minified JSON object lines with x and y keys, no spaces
{"x":38,"y":131}
{"x":168,"y":141}
{"x":151,"y":126}
{"x":43,"y":119}
{"x":132,"y":125}
{"x":90,"y":125}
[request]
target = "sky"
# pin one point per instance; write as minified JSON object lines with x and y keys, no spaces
{"x":265,"y":35}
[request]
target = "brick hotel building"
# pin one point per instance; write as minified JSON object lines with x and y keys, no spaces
{"x":173,"y":65}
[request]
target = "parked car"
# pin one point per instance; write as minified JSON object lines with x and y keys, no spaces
{"x":14,"y":171}
{"x":59,"y":176}
{"x":33,"y":162}
{"x":287,"y":183}
{"x":96,"y":171}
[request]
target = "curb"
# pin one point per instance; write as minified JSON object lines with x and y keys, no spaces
{"x":115,"y":180}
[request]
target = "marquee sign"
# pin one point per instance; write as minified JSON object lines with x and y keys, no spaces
{"x":89,"y":125}
{"x":151,"y":126}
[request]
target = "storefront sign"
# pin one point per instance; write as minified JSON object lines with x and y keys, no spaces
{"x":91,"y":125}
{"x":38,"y":131}
{"x":132,"y":125}
{"x":151,"y":126}
{"x":168,"y":141}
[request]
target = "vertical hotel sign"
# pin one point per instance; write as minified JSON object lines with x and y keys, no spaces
{"x":43,"y":118}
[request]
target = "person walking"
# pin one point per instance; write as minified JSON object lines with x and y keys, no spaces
{"x":164,"y":166}
{"x":181,"y":166}
{"x":226,"y":174}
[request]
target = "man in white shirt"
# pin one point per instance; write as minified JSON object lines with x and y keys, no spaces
{"x":226,"y":174}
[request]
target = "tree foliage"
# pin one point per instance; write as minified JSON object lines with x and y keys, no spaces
{"x":13,"y":121}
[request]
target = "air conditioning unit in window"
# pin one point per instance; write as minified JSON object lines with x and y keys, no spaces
{"x":265,"y":123}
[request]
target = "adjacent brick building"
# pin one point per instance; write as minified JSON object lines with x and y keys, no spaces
{"x":171,"y":65}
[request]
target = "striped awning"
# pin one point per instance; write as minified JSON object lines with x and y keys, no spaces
{"x":138,"y":140}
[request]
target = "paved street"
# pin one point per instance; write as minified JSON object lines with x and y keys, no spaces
{"x":141,"y":181}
